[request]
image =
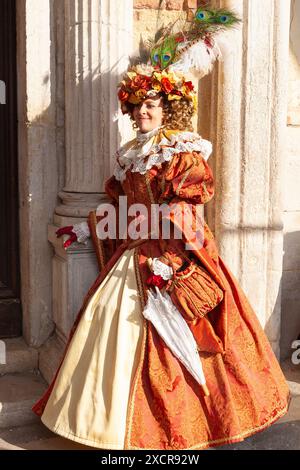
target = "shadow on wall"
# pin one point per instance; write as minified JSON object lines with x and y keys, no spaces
{"x":43,"y":144}
{"x":290,"y":302}
{"x":295,"y":28}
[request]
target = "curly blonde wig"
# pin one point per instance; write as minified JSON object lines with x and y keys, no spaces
{"x":178,"y":114}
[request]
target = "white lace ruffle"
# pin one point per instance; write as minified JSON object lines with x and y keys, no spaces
{"x":82,"y":232}
{"x":134,"y":157}
{"x":162,"y":269}
{"x":144,"y":136}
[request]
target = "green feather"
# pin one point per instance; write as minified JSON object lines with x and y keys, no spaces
{"x":164,"y":54}
{"x":203,"y":16}
{"x":155,"y":56}
{"x":225,"y":18}
{"x":167,"y":51}
{"x":220,"y":16}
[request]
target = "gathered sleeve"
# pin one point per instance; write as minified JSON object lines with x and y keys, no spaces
{"x":188,"y":181}
{"x":189,"y":177}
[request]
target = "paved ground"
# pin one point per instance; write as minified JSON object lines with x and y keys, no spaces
{"x":283,"y":435}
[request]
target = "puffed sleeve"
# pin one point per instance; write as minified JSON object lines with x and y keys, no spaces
{"x":189,"y":177}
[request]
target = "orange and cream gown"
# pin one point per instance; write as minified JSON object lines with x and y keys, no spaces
{"x":119,"y":386}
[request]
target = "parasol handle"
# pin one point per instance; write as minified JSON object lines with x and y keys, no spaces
{"x":205,"y":390}
{"x":149,"y":263}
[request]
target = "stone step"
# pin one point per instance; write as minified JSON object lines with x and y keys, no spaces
{"x":292,"y":374}
{"x":36,"y":436}
{"x":283,"y":435}
{"x":16,"y":356}
{"x":18,"y":392}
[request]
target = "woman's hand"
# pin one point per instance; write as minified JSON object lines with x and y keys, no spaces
{"x":161,"y":273}
{"x":67,"y":231}
{"x":78,"y":233}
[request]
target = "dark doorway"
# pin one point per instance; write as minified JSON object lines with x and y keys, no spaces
{"x":10,"y":305}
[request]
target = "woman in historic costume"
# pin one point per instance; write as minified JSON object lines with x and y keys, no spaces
{"x":166,"y":351}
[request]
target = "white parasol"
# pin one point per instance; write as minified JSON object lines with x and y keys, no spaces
{"x":173,"y":329}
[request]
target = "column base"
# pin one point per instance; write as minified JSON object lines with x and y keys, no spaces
{"x":73,"y":272}
{"x":76,"y":206}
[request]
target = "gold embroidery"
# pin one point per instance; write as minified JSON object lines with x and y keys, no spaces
{"x":138,"y":279}
{"x":231,"y":439}
{"x":190,"y":298}
{"x":163,"y":184}
{"x":150,"y":193}
{"x":205,"y":188}
{"x":186,"y":174}
{"x":131,"y":401}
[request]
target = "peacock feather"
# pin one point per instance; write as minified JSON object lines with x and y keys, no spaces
{"x":208,"y":20}
{"x":197,"y":42}
{"x":164,"y":54}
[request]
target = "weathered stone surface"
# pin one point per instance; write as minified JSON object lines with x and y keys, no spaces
{"x":50,"y":356}
{"x":290,"y":318}
{"x":290,"y":183}
{"x":92,"y":76}
{"x":291,"y":257}
{"x":19,"y":357}
{"x":294,"y":67}
{"x":35,"y":436}
{"x":284,"y":434}
{"x":38,"y":165}
{"x":165,"y":4}
{"x":141,"y":4}
{"x":18,"y":392}
{"x":146,"y":23}
{"x":249,"y":151}
{"x":74,"y":271}
{"x":292,"y":375}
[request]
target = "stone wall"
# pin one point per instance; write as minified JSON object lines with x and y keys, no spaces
{"x":290,"y":325}
{"x":149,"y":15}
{"x":245,"y":96}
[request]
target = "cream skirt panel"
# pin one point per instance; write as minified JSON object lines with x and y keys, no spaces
{"x":89,"y":401}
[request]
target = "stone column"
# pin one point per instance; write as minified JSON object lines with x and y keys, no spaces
{"x":38,"y":182}
{"x":247,"y":124}
{"x":97,"y":41}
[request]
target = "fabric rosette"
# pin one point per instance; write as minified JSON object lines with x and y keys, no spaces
{"x":144,"y":81}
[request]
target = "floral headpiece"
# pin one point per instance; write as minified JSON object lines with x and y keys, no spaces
{"x":145,"y":81}
{"x":193,"y":48}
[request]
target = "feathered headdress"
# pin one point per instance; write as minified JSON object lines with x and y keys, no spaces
{"x":193,"y":48}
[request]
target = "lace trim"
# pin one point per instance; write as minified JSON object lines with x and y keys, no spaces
{"x":162,"y":269}
{"x":82,"y":232}
{"x":134,"y":158}
{"x":143,"y":136}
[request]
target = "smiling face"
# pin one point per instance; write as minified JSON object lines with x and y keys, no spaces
{"x":149,"y":114}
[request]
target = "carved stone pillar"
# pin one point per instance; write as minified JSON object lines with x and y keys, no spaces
{"x":97,"y":41}
{"x":246,"y":120}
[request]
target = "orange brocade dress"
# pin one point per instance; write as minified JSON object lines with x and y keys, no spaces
{"x":119,"y":386}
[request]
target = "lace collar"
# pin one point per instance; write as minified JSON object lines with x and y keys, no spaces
{"x":144,"y":136}
{"x":156,"y":148}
